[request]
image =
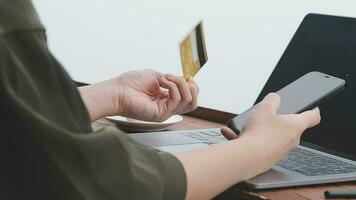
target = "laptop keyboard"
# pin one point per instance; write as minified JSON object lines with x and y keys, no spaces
{"x":211,"y":136}
{"x":299,"y":160}
{"x":310,"y":163}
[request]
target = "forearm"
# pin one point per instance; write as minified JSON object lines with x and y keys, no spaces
{"x":266,"y":139}
{"x":98,"y":99}
{"x":212,"y":170}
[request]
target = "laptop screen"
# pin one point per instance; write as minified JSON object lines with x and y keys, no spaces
{"x":326,"y":44}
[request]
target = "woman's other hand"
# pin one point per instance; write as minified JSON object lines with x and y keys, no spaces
{"x":149,"y":95}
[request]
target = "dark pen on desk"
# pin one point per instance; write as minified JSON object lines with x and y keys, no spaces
{"x":336,"y":194}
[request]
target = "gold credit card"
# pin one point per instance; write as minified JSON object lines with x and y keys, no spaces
{"x":193,"y":52}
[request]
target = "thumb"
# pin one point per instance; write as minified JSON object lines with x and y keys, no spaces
{"x":273,"y":100}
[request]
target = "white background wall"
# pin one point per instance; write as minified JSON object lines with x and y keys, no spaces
{"x":97,"y":40}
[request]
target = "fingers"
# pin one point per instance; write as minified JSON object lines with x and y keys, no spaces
{"x":228,"y":133}
{"x":182,"y":87}
{"x":187,"y":92}
{"x":194,"y":91}
{"x":273,"y":101}
{"x":174,"y":95}
{"x":183,"y":93}
{"x":192,"y":82}
{"x":310,"y":118}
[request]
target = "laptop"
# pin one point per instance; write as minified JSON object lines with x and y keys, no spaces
{"x":327,"y":152}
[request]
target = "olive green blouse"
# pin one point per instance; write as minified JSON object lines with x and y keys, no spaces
{"x":48,"y":149}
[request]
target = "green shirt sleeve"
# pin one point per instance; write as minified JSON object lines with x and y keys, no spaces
{"x":47,"y":146}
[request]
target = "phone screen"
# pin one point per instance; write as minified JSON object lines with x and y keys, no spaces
{"x":302,"y":94}
{"x":307,"y":91}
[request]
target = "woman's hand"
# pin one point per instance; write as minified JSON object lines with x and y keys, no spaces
{"x":144,"y":94}
{"x":264,"y":141}
{"x":274,"y":134}
{"x":149,"y":95}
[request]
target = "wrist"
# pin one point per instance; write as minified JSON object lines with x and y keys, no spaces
{"x":256,"y":154}
{"x":246,"y":153}
{"x":99,"y":99}
{"x":116,"y":95}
